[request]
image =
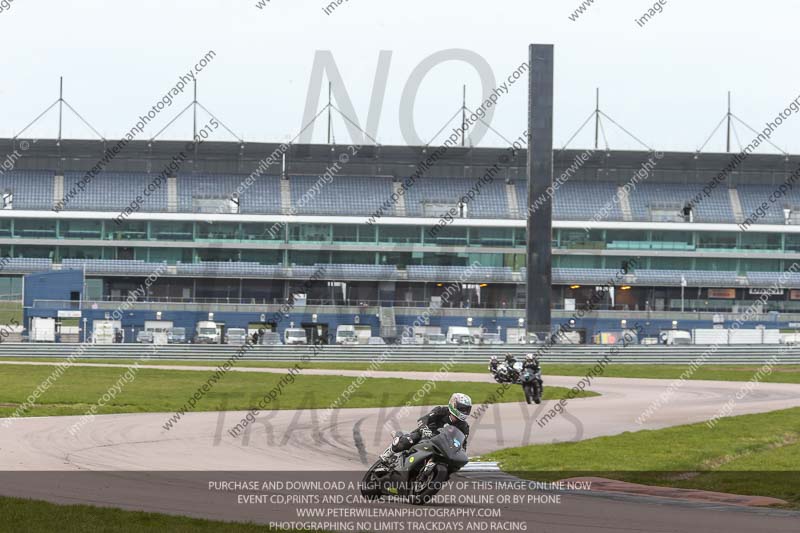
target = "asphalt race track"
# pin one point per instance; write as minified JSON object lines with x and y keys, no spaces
{"x":137,"y":448}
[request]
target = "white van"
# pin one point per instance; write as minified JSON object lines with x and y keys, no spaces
{"x":435,"y":338}
{"x":675,"y":337}
{"x":236,"y":336}
{"x":346,"y":335}
{"x":294,"y":336}
{"x":206,"y":332}
{"x":461,"y":335}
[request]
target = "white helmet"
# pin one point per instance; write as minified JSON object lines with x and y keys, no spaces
{"x":460,"y":406}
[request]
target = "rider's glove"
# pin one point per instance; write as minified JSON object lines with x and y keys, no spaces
{"x":426,"y":432}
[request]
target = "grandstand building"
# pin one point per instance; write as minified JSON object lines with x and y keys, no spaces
{"x":376,"y":234}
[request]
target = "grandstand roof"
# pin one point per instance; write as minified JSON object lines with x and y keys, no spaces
{"x":391,"y":161}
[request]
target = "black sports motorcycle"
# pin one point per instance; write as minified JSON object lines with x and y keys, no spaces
{"x":418,"y":473}
{"x":532,"y":385}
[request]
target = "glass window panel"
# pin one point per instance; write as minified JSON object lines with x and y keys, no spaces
{"x":34,"y":251}
{"x":401,"y":259}
{"x":760,"y":265}
{"x":310,"y":233}
{"x":5,"y":227}
{"x":32,"y":228}
{"x":447,"y":236}
{"x":80,"y":252}
{"x":717,"y":240}
{"x":218,"y":231}
{"x":127,"y":231}
{"x":170,"y":255}
{"x":399,"y":234}
{"x":308,"y":257}
{"x":491,"y":237}
{"x":269,"y":231}
{"x":367,"y":233}
{"x":578,"y":238}
{"x":345,"y":233}
{"x":761,"y":241}
{"x":172,"y":231}
{"x":81,"y":229}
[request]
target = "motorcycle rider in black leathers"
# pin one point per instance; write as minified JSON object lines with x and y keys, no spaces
{"x":493,"y":364}
{"x":531,"y":362}
{"x":512,"y":371}
{"x":454,"y":413}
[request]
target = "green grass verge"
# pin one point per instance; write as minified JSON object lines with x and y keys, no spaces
{"x":750,"y":454}
{"x":168,"y":390}
{"x":780,"y":374}
{"x":42,"y":517}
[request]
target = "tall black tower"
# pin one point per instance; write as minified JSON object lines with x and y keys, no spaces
{"x":540,"y":177}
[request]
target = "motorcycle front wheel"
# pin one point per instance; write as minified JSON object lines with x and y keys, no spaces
{"x":369,"y":485}
{"x":425,"y":489}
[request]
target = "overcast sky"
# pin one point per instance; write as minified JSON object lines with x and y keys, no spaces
{"x":666,"y":82}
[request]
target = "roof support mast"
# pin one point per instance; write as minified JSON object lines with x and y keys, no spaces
{"x":194,"y":124}
{"x":463,"y":114}
{"x":597,"y":118}
{"x":194,"y":112}
{"x":60,"y":105}
{"x":728,"y":142}
{"x":330,"y":88}
{"x":61,"y":102}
